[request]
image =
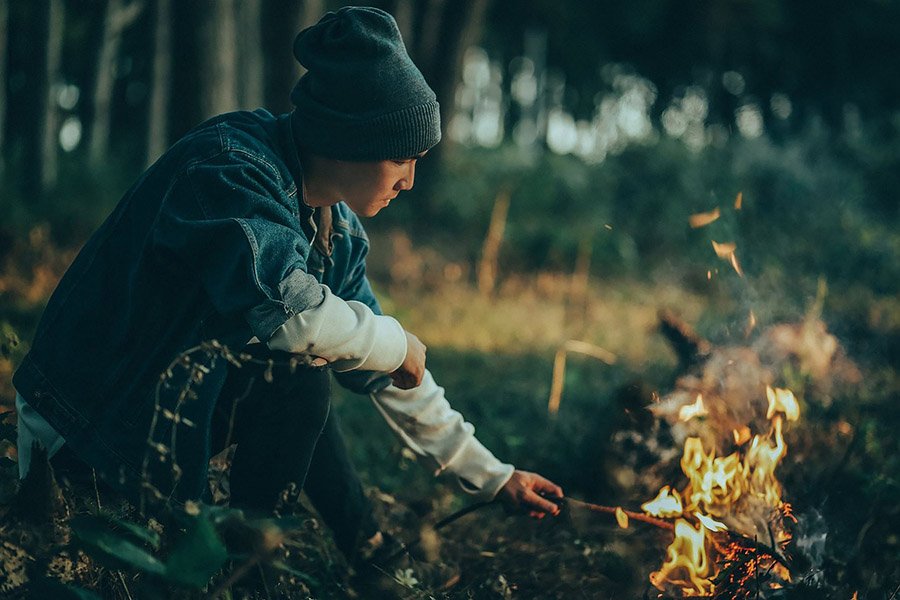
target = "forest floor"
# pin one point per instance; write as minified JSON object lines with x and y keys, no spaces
{"x":494,"y":354}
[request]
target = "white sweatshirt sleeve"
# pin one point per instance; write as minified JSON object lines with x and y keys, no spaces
{"x":346,"y":334}
{"x":425,"y":421}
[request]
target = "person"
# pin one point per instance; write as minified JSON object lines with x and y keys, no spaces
{"x":247,"y":232}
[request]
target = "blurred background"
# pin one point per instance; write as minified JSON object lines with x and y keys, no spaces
{"x":579,"y":139}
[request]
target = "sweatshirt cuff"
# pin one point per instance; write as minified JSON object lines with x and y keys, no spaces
{"x":480,"y":473}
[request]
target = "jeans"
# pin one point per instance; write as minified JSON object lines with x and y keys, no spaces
{"x":286,"y":433}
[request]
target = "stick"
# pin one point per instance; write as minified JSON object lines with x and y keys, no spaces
{"x":611,"y":510}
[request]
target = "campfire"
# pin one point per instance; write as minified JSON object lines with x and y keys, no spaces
{"x":728,"y":502}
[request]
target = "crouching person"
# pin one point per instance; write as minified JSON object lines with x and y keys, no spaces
{"x":235,"y":267}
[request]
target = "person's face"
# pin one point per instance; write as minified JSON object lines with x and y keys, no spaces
{"x":367,"y":187}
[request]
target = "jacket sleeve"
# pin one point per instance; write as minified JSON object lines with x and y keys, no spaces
{"x":229,"y":221}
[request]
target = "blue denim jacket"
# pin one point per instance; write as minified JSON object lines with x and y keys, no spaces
{"x":212,"y":242}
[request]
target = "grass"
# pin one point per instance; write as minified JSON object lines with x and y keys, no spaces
{"x":493,"y":353}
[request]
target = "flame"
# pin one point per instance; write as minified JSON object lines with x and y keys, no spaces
{"x":703,"y":219}
{"x":710,"y":523}
{"x":741,"y":435}
{"x":664,"y":505}
{"x":736,"y":489}
{"x":689,"y":411}
{"x":781,"y":400}
{"x":687,"y":565}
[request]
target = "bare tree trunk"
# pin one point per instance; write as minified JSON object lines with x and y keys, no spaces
{"x":4,"y":37}
{"x":50,"y":144}
{"x":218,"y":68}
{"x":119,"y":16}
{"x":158,"y":122}
{"x":312,"y":12}
{"x":249,"y":19}
{"x":490,"y":250}
{"x":404,"y":14}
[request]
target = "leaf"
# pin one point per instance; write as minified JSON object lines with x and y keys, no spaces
{"x":198,"y":554}
{"x":111,"y":548}
{"x":140,"y":533}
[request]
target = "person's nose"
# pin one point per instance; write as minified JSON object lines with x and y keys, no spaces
{"x":408,"y":180}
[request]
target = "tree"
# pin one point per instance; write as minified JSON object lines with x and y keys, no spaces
{"x":250,"y":56}
{"x":50,"y":144}
{"x":4,"y":36}
{"x":119,"y":16}
{"x":218,"y":60}
{"x":158,"y":122}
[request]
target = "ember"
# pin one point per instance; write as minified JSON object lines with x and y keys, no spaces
{"x":737,"y":497}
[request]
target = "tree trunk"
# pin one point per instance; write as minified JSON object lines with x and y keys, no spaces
{"x":218,"y":68}
{"x":281,"y":25}
{"x":447,"y":29}
{"x":119,"y":16}
{"x":50,"y":144}
{"x":249,"y":42}
{"x":4,"y":37}
{"x":34,"y":115}
{"x":158,"y":122}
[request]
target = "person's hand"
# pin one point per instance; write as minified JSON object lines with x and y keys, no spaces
{"x":411,"y":372}
{"x":523,"y":492}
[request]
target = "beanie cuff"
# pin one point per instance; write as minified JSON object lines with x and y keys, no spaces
{"x":402,"y":133}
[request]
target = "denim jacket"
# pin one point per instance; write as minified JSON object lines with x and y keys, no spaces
{"x":212,"y":242}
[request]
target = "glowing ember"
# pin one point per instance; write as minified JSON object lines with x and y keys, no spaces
{"x":724,"y":249}
{"x":751,"y":324}
{"x":690,"y":411}
{"x":734,"y":263}
{"x":703,"y":219}
{"x":735,"y":493}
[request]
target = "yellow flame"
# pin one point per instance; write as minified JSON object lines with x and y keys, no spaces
{"x":710,"y":523}
{"x":664,"y":505}
{"x":703,"y":219}
{"x":621,"y":518}
{"x":781,"y":400}
{"x":686,"y":564}
{"x":689,"y":411}
{"x":717,"y":487}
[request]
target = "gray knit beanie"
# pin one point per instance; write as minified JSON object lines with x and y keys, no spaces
{"x":362,"y":97}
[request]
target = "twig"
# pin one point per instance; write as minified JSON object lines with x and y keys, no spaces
{"x":124,"y":585}
{"x":611,"y":510}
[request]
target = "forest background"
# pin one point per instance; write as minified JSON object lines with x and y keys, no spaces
{"x":579,"y":138}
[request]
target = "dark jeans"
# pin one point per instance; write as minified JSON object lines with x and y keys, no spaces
{"x":286,"y":433}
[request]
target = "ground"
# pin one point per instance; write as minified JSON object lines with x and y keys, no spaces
{"x":841,"y":473}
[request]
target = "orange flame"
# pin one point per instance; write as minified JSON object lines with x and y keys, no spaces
{"x":722,"y":488}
